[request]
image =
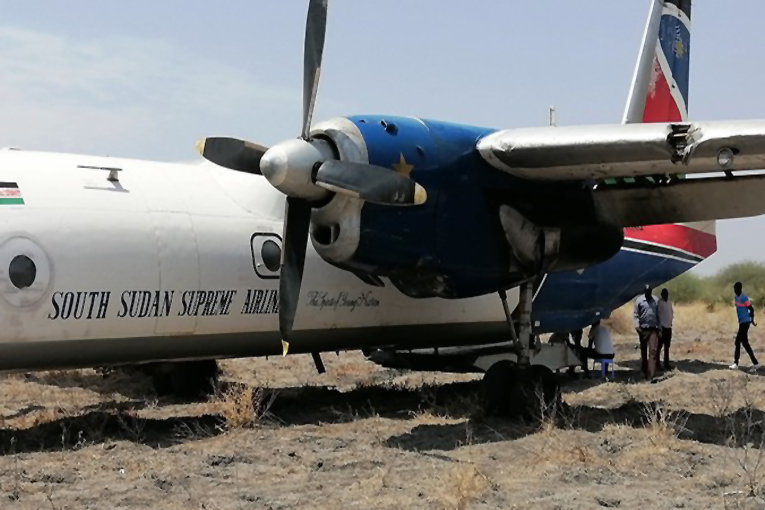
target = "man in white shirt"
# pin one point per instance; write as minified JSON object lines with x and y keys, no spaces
{"x":666,"y":316}
{"x":601,"y":346}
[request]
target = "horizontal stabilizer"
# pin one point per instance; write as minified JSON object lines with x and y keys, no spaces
{"x":682,"y":201}
{"x":625,"y":150}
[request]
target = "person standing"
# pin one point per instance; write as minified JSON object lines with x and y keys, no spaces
{"x":647,"y":326}
{"x":666,"y":317}
{"x":745,"y":314}
{"x":576,"y":336}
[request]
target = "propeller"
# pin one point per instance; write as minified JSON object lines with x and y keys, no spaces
{"x":297,"y":214}
{"x":369,"y":182}
{"x":313,"y":50}
{"x":297,"y":220}
{"x":232,"y":153}
{"x":306,"y":169}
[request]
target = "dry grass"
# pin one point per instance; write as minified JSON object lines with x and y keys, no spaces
{"x":663,"y":424}
{"x":242,"y":407}
{"x":696,"y":320}
{"x":698,"y":332}
{"x":462,"y":485}
{"x":626,"y":448}
{"x":620,"y":321}
{"x":373,"y":438}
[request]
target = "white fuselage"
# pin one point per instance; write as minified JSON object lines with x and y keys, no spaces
{"x":168,"y":262}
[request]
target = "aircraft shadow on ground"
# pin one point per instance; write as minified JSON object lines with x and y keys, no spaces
{"x":118,"y":421}
{"x":683,"y":365}
{"x":130,"y":383}
{"x":103,"y":423}
{"x":704,"y":428}
{"x":317,"y":405}
{"x":113,"y":421}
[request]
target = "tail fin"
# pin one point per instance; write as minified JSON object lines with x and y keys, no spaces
{"x":659,"y":91}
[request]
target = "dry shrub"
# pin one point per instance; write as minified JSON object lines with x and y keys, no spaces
{"x":722,"y":394}
{"x":560,"y":445}
{"x":454,"y":407}
{"x":620,"y":321}
{"x":563,"y":448}
{"x":45,"y":415}
{"x":745,"y":431}
{"x":663,"y":425}
{"x":351,"y":370}
{"x":242,"y":407}
{"x":638,"y":450}
{"x":462,"y":485}
{"x":657,"y":438}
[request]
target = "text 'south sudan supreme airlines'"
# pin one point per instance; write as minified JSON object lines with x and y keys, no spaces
{"x":415,"y":225}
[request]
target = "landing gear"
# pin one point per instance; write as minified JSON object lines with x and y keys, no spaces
{"x":519,"y":389}
{"x":514,"y":392}
{"x":187,"y":379}
{"x":497,"y":388}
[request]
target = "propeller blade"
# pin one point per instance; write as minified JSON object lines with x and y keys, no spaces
{"x":232,"y":153}
{"x":297,"y":220}
{"x":372,"y":183}
{"x":315,"y":31}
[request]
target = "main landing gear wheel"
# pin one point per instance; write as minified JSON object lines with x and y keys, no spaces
{"x":522,"y":389}
{"x":496,"y":388}
{"x":538,"y":392}
{"x":514,"y":392}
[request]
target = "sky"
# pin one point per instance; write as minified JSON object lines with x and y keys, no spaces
{"x":146,"y":79}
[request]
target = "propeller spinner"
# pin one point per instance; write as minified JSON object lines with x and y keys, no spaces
{"x":305,"y":170}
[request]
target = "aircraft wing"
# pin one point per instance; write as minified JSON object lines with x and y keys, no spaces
{"x":625,"y":150}
{"x":680,"y":201}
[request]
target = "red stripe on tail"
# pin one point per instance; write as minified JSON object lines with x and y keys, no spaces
{"x":660,"y":106}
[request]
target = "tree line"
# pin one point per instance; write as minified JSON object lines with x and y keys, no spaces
{"x":717,"y":289}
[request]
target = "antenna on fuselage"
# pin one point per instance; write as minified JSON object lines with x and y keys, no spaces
{"x":552,"y":116}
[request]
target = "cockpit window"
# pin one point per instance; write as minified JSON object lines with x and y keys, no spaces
{"x":272,"y":255}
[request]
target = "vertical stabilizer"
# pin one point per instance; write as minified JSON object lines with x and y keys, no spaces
{"x":659,"y":90}
{"x":659,"y":93}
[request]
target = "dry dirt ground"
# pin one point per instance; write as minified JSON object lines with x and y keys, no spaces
{"x":280,"y":436}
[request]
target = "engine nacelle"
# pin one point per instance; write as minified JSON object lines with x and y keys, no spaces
{"x":477,"y":233}
{"x":537,"y":250}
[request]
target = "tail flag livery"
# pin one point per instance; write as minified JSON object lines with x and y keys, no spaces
{"x":659,"y":93}
{"x":660,"y":86}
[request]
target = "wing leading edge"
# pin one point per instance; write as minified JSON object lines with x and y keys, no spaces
{"x":624,"y":150}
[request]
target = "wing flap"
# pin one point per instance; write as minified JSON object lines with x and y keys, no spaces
{"x":683,"y":201}
{"x":624,"y":150}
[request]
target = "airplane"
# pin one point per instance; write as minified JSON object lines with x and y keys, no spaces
{"x":416,"y":226}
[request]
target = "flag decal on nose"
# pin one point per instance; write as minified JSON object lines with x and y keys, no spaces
{"x":10,"y":194}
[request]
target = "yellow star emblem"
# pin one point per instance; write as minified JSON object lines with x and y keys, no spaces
{"x":402,"y":167}
{"x":679,"y":48}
